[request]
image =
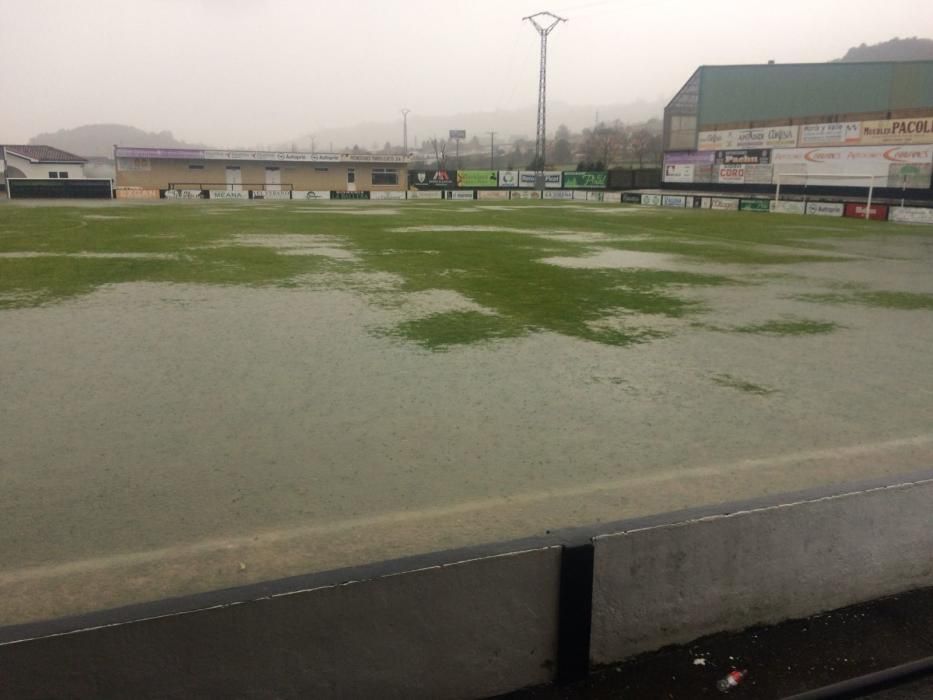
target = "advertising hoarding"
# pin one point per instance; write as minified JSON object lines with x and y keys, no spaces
{"x":676,"y":172}
{"x":745,"y":156}
{"x":737,"y":139}
{"x":477,"y":178}
{"x":724,"y":204}
{"x":631,"y":198}
{"x":917,"y":130}
{"x":137,"y":193}
{"x":457,"y":134}
{"x":732,"y":174}
{"x":350,"y":195}
{"x":782,"y":207}
{"x":426,"y":194}
{"x":531,"y":194}
{"x":491,"y":194}
{"x":564,"y":194}
{"x":677,"y":201}
{"x":432,"y":179}
{"x":229,"y":194}
{"x":272,"y":194}
{"x":183,"y":194}
{"x":528,"y":178}
{"x":579,"y":195}
{"x":311,"y":194}
{"x":878,"y":212}
{"x":911,"y":215}
{"x":387,"y":194}
{"x":689,"y":158}
{"x":835,"y":134}
{"x":508,"y":178}
{"x":585,"y":179}
{"x":891,"y":166}
{"x":825,"y":208}
{"x":460,"y":194}
{"x":754,"y":205}
{"x":651,"y":200}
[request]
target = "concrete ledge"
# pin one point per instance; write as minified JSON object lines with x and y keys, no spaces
{"x":464,"y":630}
{"x":673,"y":583}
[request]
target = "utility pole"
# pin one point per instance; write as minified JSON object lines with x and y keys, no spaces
{"x":405,"y":131}
{"x":544,"y":23}
{"x":492,"y":149}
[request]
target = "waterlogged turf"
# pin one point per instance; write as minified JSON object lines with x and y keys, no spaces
{"x":197,"y":395}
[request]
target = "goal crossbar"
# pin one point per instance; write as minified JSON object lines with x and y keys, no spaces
{"x":817,"y":176}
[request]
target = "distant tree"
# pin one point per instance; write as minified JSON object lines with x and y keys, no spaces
{"x":561,"y":152}
{"x":646,"y":146}
{"x":440,"y":152}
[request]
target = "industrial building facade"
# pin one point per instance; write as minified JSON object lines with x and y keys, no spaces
{"x":826,"y":125}
{"x":155,"y":170}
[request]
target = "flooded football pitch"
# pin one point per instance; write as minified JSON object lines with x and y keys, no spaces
{"x":196,"y":398}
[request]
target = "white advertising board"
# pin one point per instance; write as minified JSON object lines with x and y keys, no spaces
{"x":734,"y":174}
{"x":614,"y":197}
{"x":911,"y":215}
{"x":825,"y":208}
{"x":533,"y":194}
{"x":654,"y":200}
{"x":764,"y":137}
{"x":558,"y":194}
{"x":580,"y":195}
{"x":528,"y":178}
{"x":705,"y":202}
{"x":724,"y":204}
{"x":387,"y":194}
{"x":311,"y":194}
{"x":836,"y":134}
{"x":491,"y":194}
{"x":183,"y":194}
{"x":272,"y":194}
{"x":425,"y":194}
{"x":678,"y":172}
{"x":788,"y":207}
{"x":892,"y":166}
{"x":460,"y":194}
{"x":229,"y":194}
{"x":678,"y":201}
{"x":508,"y":178}
{"x":137,"y":193}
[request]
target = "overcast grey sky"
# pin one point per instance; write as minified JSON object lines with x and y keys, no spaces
{"x":230,"y":72}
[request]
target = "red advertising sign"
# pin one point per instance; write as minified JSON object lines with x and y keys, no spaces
{"x":878,"y":212}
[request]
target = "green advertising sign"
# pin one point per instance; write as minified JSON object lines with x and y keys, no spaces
{"x":585,"y":179}
{"x":477,"y":178}
{"x":755,"y":205}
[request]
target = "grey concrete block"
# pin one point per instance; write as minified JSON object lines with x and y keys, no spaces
{"x":463,"y":630}
{"x":674,"y":583}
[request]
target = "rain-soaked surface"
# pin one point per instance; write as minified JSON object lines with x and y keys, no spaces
{"x":164,"y":438}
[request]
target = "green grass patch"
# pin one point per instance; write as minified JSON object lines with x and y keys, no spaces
{"x":440,"y":331}
{"x":904,"y":301}
{"x":786,"y":326}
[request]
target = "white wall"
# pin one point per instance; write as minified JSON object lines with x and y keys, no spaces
{"x":41,"y":170}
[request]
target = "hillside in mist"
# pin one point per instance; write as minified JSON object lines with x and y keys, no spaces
{"x":97,"y":140}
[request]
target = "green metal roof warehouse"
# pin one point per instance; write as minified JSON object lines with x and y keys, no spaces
{"x":726,"y":97}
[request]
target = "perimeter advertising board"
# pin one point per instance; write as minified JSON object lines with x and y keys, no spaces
{"x":566,"y":194}
{"x":781,"y":207}
{"x":723,"y":204}
{"x":532,"y":194}
{"x":529,"y":178}
{"x":737,"y":139}
{"x":878,"y":212}
{"x":911,"y":215}
{"x":183,"y":194}
{"x":508,"y":178}
{"x":272,"y":194}
{"x":477,"y":178}
{"x":672,"y":200}
{"x":387,"y":194}
{"x":891,"y":166}
{"x":460,"y":194}
{"x":432,"y":179}
{"x":585,"y":179}
{"x":492,"y":194}
{"x":754,"y":205}
{"x":825,"y":208}
{"x":631,"y":198}
{"x":426,"y":194}
{"x":651,"y":200}
{"x":229,"y":194}
{"x":311,"y":194}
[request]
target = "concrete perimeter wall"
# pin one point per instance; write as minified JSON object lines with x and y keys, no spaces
{"x":478,"y":622}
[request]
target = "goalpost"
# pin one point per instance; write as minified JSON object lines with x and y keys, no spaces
{"x":805,"y":178}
